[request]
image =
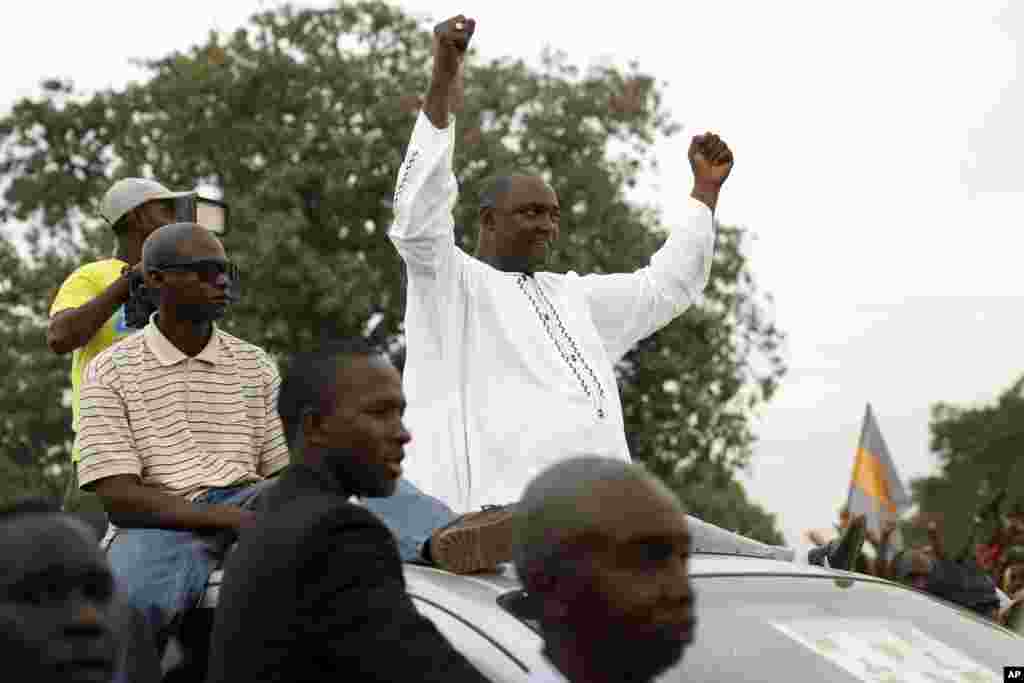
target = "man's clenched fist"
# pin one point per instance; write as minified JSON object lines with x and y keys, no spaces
{"x":451,"y":40}
{"x":710,"y":159}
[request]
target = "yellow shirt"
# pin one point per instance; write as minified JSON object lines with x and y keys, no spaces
{"x":81,"y":287}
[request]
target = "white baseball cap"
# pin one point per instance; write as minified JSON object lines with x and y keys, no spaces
{"x":127,"y":193}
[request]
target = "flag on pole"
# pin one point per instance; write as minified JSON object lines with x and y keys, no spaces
{"x":875,"y":487}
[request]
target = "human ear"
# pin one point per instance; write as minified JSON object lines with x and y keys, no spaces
{"x":312,"y":429}
{"x":487,"y":219}
{"x":154,"y":279}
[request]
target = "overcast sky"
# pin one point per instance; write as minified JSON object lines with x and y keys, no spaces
{"x":877,"y":145}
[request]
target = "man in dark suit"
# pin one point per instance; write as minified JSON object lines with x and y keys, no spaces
{"x":315,"y":590}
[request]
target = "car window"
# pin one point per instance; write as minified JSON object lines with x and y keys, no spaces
{"x":796,"y":629}
{"x":492,"y":662}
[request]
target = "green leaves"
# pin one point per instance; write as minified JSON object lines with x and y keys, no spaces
{"x":979,"y":451}
{"x":300,"y":119}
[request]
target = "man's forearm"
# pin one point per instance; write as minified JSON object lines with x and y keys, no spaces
{"x":438,"y":103}
{"x":708,"y":195}
{"x":73,"y":328}
{"x":135,"y":505}
{"x":444,"y":97}
{"x":883,"y":560}
{"x":936,"y":543}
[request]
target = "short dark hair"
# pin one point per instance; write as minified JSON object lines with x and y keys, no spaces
{"x":494,"y":187}
{"x":310,"y":382}
{"x":28,"y":506}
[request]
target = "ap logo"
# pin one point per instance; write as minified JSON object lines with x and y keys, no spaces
{"x":1013,"y":673}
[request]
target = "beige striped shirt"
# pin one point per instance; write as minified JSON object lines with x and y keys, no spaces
{"x":183,"y":425}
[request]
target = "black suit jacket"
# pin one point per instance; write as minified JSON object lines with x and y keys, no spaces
{"x":315,"y":592}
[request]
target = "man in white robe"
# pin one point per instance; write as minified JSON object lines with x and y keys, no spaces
{"x":510,"y":369}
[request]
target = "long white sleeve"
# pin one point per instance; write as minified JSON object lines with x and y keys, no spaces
{"x":433,"y":378}
{"x":425,"y":194}
{"x":628,"y":307}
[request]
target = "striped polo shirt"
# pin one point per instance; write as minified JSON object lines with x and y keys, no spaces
{"x":182,"y":424}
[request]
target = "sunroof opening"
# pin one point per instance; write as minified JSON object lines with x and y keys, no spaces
{"x":523,"y":607}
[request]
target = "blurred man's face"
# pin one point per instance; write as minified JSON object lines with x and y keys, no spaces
{"x":155,"y":214}
{"x":918,"y":569}
{"x":633,"y":603}
{"x":1014,"y":579}
{"x":1015,"y":524}
{"x":365,"y":437}
{"x":56,"y":602}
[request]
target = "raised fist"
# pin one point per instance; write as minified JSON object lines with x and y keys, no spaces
{"x":451,"y":40}
{"x":710,"y":159}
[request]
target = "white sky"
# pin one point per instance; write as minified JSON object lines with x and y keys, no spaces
{"x":876,"y":144}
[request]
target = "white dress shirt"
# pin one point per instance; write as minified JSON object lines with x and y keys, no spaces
{"x":505,"y":373}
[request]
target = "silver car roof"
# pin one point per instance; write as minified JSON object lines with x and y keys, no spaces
{"x":474,"y":598}
{"x":489,"y":585}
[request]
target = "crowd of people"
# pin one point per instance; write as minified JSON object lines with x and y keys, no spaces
{"x":501,"y":441}
{"x":987,"y":578}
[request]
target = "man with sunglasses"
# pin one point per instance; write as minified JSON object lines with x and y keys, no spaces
{"x":179,"y":429}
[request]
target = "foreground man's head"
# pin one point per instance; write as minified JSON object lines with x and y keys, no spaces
{"x":603,"y":549}
{"x":57,"y":610}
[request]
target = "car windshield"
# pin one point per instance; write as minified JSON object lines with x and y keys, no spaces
{"x":794,"y":629}
{"x":812,"y":629}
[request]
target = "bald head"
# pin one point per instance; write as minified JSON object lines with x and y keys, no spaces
{"x":603,"y":553}
{"x":588,"y":497}
{"x":173,"y":242}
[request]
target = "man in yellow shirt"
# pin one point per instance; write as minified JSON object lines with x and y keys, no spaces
{"x":88,"y":314}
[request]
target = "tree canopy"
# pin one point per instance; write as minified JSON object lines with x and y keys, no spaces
{"x":299,"y":120}
{"x":979,"y":450}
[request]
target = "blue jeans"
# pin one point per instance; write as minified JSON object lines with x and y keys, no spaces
{"x":163,"y":572}
{"x":412,"y":516}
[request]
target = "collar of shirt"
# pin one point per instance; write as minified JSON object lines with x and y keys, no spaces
{"x":169,"y":354}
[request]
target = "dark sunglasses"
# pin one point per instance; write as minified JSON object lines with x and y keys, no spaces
{"x":208,"y":270}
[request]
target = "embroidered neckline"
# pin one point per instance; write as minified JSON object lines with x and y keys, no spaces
{"x":564,"y":343}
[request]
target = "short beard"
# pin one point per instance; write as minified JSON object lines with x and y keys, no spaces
{"x":199,"y":314}
{"x":355,"y":479}
{"x":615,"y":651}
